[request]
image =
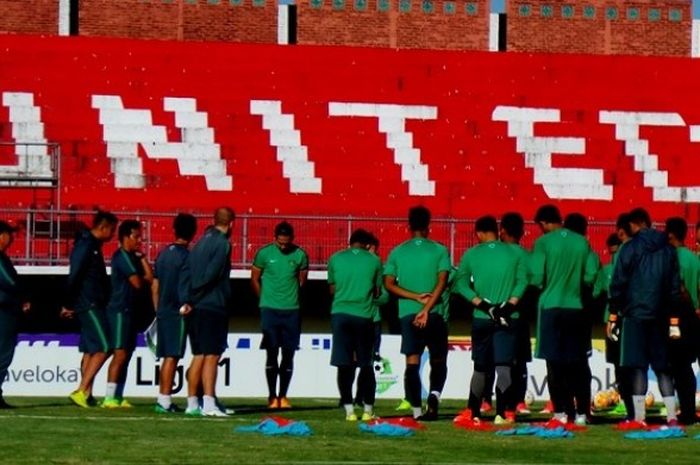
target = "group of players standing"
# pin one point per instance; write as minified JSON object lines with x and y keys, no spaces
{"x":651,"y":286}
{"x":650,"y":289}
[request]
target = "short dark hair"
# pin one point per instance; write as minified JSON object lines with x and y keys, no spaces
{"x":548,"y":214}
{"x":104,"y":217}
{"x":513,"y":224}
{"x":678,"y":227}
{"x":576,"y":222}
{"x":126,"y":227}
{"x":6,"y":227}
{"x":623,"y":222}
{"x":360,"y":236}
{"x":373,"y":240}
{"x":419,"y":218}
{"x":223,"y":216}
{"x":613,"y":240}
{"x":640,"y":216}
{"x":486,"y":224}
{"x":185,"y":226}
{"x":284,"y":229}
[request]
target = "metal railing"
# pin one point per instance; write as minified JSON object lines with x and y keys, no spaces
{"x":31,"y":168}
{"x":46,"y":235}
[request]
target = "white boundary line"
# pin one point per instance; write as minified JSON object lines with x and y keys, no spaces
{"x":118,"y":418}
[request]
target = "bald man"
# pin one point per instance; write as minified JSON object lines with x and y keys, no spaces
{"x":209,"y":295}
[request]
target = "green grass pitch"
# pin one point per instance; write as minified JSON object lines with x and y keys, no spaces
{"x":51,"y":431}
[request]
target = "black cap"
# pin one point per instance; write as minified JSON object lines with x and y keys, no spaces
{"x":6,"y":227}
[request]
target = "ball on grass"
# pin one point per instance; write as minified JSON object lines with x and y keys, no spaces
{"x":601,"y":400}
{"x":649,"y":400}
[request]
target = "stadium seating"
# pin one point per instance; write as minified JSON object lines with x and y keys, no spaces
{"x":145,"y":127}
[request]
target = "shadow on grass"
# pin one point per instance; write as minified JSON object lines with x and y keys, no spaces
{"x":251,"y":409}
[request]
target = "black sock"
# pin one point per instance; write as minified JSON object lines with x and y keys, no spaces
{"x":346,"y":376}
{"x":488,"y":386}
{"x":519,"y":373}
{"x":412,"y":385}
{"x":502,"y":401}
{"x":624,"y":384}
{"x":504,"y":390}
{"x":619,"y":384}
{"x":557,"y":387}
{"x":686,"y":385}
{"x":580,"y":373}
{"x":271,"y":372}
{"x":438,"y":375}
{"x":474,"y":404}
{"x":286,"y":370}
{"x":568,"y":389}
{"x":367,"y":385}
{"x":377,"y":338}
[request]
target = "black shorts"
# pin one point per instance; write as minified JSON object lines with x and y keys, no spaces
{"x":353,"y":340}
{"x":122,"y":331}
{"x":209,"y":332}
{"x":563,"y":335}
{"x":281,"y":329}
{"x":172,"y":337}
{"x":414,"y":340}
{"x":193,"y":332}
{"x":492,"y":345}
{"x":523,"y":346}
{"x":612,"y":352}
{"x":644,"y":343}
{"x":93,"y":331}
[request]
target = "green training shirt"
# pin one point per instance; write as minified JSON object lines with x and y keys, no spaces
{"x":383,"y":299}
{"x":602,"y":284}
{"x":449,"y":290}
{"x":493,"y":271}
{"x":355,"y":273}
{"x":561,"y":264}
{"x":690,"y":272}
{"x":416,"y":264}
{"x":525,"y":259}
{"x":603,"y":280}
{"x":280,"y":276}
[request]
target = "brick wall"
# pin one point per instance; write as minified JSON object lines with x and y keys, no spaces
{"x":219,"y":20}
{"x":429,"y":24}
{"x":651,"y":27}
{"x":24,"y":17}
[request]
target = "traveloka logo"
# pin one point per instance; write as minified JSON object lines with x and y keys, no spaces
{"x":384,"y":375}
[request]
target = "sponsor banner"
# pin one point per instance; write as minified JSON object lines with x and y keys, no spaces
{"x":49,"y":365}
